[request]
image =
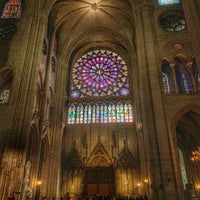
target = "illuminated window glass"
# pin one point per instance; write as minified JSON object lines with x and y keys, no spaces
{"x":183,"y":77}
{"x":165,"y":83}
{"x":120,"y":112}
{"x":97,"y":74}
{"x":4,"y":96}
{"x":100,"y":73}
{"x":128,"y":112}
{"x":12,"y":9}
{"x":93,"y":114}
{"x":186,"y":83}
{"x":167,"y":2}
{"x":79,"y":114}
{"x":196,"y":74}
{"x":198,"y":82}
{"x":117,"y":112}
{"x":105,"y":114}
{"x":71,"y":114}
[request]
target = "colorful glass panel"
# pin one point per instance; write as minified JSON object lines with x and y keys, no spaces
{"x":12,"y":9}
{"x":117,"y":112}
{"x":4,"y":96}
{"x":105,"y":114}
{"x":128,"y":112}
{"x":187,"y":84}
{"x":198,"y":82}
{"x":97,"y":114}
{"x":100,"y":73}
{"x":93,"y":114}
{"x":71,"y":114}
{"x":165,"y":83}
{"x":79,"y":114}
{"x":167,"y":2}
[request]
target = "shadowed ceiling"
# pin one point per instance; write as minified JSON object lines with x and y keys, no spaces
{"x":93,"y":21}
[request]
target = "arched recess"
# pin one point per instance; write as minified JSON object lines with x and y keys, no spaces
{"x":186,"y":126}
{"x":6,"y":77}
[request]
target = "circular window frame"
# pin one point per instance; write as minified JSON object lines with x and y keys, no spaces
{"x":172,"y":21}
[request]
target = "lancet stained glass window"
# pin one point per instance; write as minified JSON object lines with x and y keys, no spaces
{"x":100,"y":113}
{"x":165,"y":83}
{"x":12,"y":9}
{"x":166,"y":2}
{"x":98,"y":74}
{"x":4,"y":96}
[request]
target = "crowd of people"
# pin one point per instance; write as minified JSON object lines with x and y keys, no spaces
{"x":94,"y":197}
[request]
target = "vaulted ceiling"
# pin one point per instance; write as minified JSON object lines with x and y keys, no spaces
{"x":89,"y":21}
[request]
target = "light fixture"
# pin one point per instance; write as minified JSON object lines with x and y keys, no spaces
{"x":146,"y":180}
{"x":39,"y":182}
{"x":196,"y":155}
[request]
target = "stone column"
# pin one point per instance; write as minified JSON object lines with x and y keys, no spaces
{"x":191,"y":10}
{"x":25,"y":53}
{"x":151,"y":100}
{"x":57,"y":125}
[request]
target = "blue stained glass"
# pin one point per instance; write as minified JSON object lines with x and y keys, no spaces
{"x":97,"y":114}
{"x":166,"y":2}
{"x":165,"y":83}
{"x":101,"y":114}
{"x":105,"y":114}
{"x":198,"y":82}
{"x":71,"y":114}
{"x":93,"y":114}
{"x":75,"y":94}
{"x":86,"y":114}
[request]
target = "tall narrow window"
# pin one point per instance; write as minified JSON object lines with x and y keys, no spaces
{"x":165,"y":83}
{"x":183,"y":77}
{"x":167,"y":77}
{"x":183,"y":169}
{"x":12,"y":9}
{"x":71,"y":114}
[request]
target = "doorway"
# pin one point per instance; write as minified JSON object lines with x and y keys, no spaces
{"x":99,"y":181}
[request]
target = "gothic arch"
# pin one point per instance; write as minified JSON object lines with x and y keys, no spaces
{"x":99,"y":157}
{"x":189,"y":107}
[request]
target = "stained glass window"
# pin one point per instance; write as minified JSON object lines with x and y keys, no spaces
{"x":71,"y":114}
{"x":100,"y":113}
{"x":173,"y":23}
{"x":12,"y":9}
{"x":100,"y":73}
{"x":97,"y":74}
{"x":167,"y":2}
{"x":165,"y":83}
{"x":4,"y":96}
{"x":183,"y":77}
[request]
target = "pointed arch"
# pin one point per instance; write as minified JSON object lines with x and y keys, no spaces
{"x":6,"y":77}
{"x":99,"y":157}
{"x":183,"y":77}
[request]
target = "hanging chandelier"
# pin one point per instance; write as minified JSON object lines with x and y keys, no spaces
{"x":196,"y":155}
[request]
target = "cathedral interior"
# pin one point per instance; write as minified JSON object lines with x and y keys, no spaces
{"x":100,"y":97}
